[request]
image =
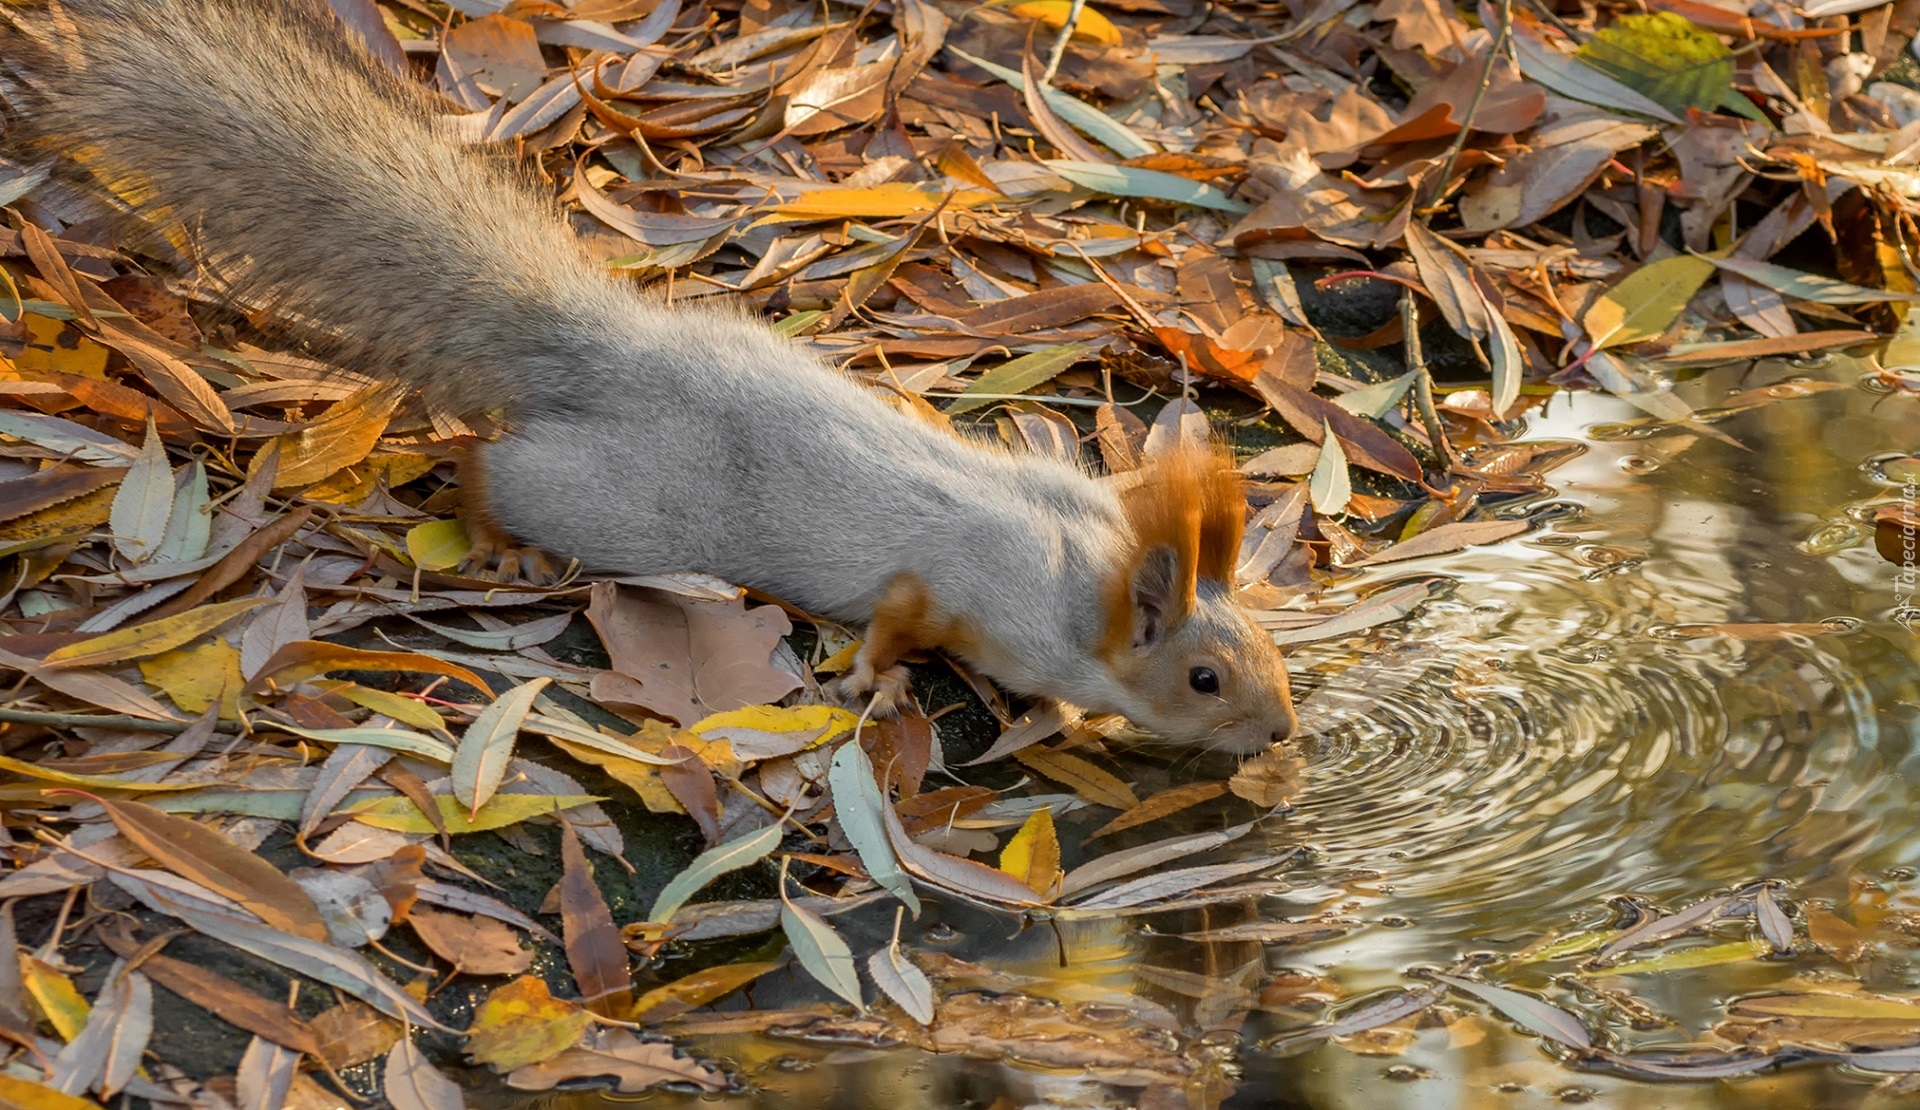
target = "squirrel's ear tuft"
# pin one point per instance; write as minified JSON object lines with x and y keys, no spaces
{"x":1187,"y":510}
{"x":1193,"y":500}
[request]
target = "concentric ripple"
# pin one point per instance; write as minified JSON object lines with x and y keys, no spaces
{"x":1651,"y":695}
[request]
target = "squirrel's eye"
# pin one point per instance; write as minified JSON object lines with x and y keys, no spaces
{"x":1204,"y":680}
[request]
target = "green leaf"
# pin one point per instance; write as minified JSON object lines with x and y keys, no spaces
{"x":401,"y":815}
{"x":1568,"y":77}
{"x":1098,"y":125}
{"x":1647,"y":301}
{"x":1020,"y":375}
{"x":1331,"y":487}
{"x":480,"y":763}
{"x":1687,"y":959}
{"x":1127,"y":181}
{"x":1808,"y":287}
{"x":794,"y":323}
{"x":821,"y":951}
{"x":1665,"y":57}
{"x":1377,"y":400}
{"x":392,"y":739}
{"x":857,"y":800}
{"x":710,"y":865}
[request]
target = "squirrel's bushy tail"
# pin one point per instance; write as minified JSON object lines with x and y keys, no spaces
{"x":311,"y":181}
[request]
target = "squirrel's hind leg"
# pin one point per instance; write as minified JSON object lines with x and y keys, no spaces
{"x":496,"y":554}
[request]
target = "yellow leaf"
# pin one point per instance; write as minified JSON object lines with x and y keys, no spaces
{"x":51,"y":347}
{"x":1086,"y":780}
{"x":401,"y":815}
{"x":69,"y":518}
{"x":696,"y":990}
{"x":339,"y":439}
{"x":1092,"y":26}
{"x":877,"y":201}
{"x":89,"y":782}
{"x":25,"y":1094}
{"x":195,"y":677}
{"x":54,"y":993}
{"x":408,"y":711}
{"x":1647,"y":301}
{"x":644,"y":779}
{"x":1826,"y":1005}
{"x":352,"y":484}
{"x":767,"y":731}
{"x":521,"y":1023}
{"x":839,"y":660}
{"x":439,"y":544}
{"x":153,"y":637}
{"x":1033,"y":855}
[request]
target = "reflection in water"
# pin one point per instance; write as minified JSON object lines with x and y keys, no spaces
{"x":1562,"y":724}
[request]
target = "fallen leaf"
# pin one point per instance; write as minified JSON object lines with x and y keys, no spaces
{"x":473,"y":945}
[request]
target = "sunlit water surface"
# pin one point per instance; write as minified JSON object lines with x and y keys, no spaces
{"x":1544,"y":735}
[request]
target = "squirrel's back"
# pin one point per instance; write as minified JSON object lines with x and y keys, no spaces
{"x":314,"y":183}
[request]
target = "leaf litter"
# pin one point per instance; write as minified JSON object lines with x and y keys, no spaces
{"x":240,"y":593}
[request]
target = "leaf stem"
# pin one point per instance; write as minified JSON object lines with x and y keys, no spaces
{"x":1473,"y":106}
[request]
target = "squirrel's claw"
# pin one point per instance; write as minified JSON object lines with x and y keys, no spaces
{"x":881,"y":693}
{"x":499,"y":561}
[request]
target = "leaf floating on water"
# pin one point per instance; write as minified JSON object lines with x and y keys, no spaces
{"x":1713,"y":955}
{"x":636,"y":1065}
{"x":521,"y":1023}
{"x":821,"y":951}
{"x":1033,"y":855}
{"x":410,"y":1083}
{"x":1775,"y":925}
{"x":1657,"y":929}
{"x":698,"y":989}
{"x":1164,"y":804}
{"x":1270,"y":779}
{"x":1372,"y":1015}
{"x":1548,"y":1020}
{"x":900,"y":980}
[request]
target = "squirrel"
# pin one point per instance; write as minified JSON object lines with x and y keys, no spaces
{"x":639,"y":438}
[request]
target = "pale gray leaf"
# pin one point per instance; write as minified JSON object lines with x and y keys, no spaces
{"x":900,"y":980}
{"x":822,"y":952}
{"x":857,"y":800}
{"x":413,"y":1084}
{"x":1543,"y":1018}
{"x":143,"y":503}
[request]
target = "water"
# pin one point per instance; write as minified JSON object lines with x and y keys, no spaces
{"x":1555,"y":729}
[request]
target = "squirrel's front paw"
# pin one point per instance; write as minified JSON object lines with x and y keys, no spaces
{"x":878,"y":693}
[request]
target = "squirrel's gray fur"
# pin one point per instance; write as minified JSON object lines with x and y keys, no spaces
{"x":642,"y":439}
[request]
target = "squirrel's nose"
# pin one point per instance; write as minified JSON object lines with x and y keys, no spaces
{"x":1288,"y":724}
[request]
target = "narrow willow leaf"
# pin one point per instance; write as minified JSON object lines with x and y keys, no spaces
{"x":1018,"y":376}
{"x":710,"y":865}
{"x":594,"y":952}
{"x":1152,"y":888}
{"x":190,"y":524}
{"x":821,"y":951}
{"x":194,"y":851}
{"x":144,"y":501}
{"x":1665,"y":57}
{"x":1687,"y":959}
{"x":1809,"y":287}
{"x":1331,"y":487}
{"x":1108,"y":131}
{"x":480,"y":763}
{"x":153,"y":637}
{"x":1127,"y":181}
{"x":1543,"y":1018}
{"x":1775,"y":925}
{"x":899,"y":980}
{"x":392,"y":739}
{"x":1508,"y":365}
{"x":857,"y":801}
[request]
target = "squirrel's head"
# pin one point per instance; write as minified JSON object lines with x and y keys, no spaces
{"x":1194,"y":666}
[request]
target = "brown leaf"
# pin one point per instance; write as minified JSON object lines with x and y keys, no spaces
{"x":1165,"y":803}
{"x":687,"y":659}
{"x":473,"y":945}
{"x":352,"y":1033}
{"x":594,"y":950}
{"x":222,"y":997}
{"x":1365,"y":444}
{"x":298,"y":662}
{"x":194,"y":851}
{"x":691,"y":784}
{"x":53,"y":487}
{"x":1271,"y":779}
{"x":1085,"y":779}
